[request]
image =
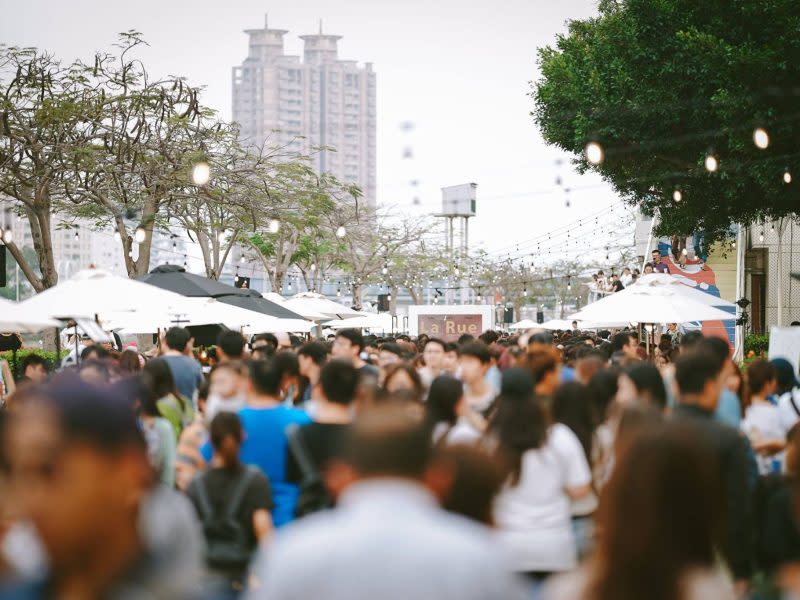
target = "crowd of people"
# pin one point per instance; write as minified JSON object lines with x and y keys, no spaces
{"x":555,"y":465}
{"x":602,"y":285}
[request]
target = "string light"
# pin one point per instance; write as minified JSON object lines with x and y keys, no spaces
{"x":139,"y":235}
{"x":201,"y":173}
{"x":341,"y":231}
{"x":569,"y":282}
{"x":772,"y":227}
{"x":8,"y":235}
{"x":761,"y":236}
{"x":711,"y":163}
{"x":241,"y":258}
{"x":594,"y":153}
{"x":117,"y":236}
{"x":313,"y":267}
{"x":677,"y":196}
{"x":274,"y":225}
{"x":787,"y":176}
{"x":77,"y":237}
{"x":760,"y":138}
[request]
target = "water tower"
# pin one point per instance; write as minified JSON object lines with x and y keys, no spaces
{"x":458,"y":206}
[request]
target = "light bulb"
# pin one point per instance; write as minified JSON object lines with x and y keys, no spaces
{"x":139,"y":235}
{"x":787,"y":176}
{"x":389,"y":297}
{"x":117,"y":236}
{"x":241,"y":258}
{"x":384,"y":270}
{"x":684,"y":252}
{"x":712,"y":164}
{"x":338,"y":291}
{"x":77,"y":237}
{"x":594,"y":153}
{"x":525,"y":292}
{"x":313,"y":267}
{"x":221,"y":236}
{"x":174,"y":246}
{"x":772,"y":228}
{"x":480,"y":299}
{"x":760,"y":138}
{"x":761,"y":236}
{"x":341,"y":231}
{"x":201,"y":173}
{"x":274,"y":225}
{"x":8,"y":235}
{"x":677,"y":196}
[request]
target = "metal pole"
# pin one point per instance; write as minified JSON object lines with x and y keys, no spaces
{"x":649,"y":242}
{"x":781,"y":225}
{"x":738,"y":342}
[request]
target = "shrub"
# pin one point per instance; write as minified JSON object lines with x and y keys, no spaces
{"x":16,"y":368}
{"x":758,"y":344}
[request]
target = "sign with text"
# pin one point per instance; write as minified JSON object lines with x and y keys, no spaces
{"x":450,"y":327}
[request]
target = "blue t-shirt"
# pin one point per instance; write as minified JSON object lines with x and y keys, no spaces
{"x":729,"y":411}
{"x":187,"y":373}
{"x":265,"y":446}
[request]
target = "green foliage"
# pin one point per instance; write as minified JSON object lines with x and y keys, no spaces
{"x":660,"y":85}
{"x":756,"y":343}
{"x":16,"y":368}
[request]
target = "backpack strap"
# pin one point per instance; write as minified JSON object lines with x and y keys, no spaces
{"x":300,"y":453}
{"x":239,"y":490}
{"x":204,"y":503}
{"x":793,"y":403}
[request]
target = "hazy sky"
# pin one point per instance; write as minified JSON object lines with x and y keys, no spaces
{"x":459,"y":71}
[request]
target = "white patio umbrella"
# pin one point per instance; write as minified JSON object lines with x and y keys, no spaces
{"x":15,"y":317}
{"x":317,"y":307}
{"x":682,"y":286}
{"x":525,"y":324}
{"x":651,"y":304}
{"x":96,"y":292}
{"x":381,"y":322}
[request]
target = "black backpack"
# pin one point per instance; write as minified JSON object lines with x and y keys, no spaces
{"x":228,"y":543}
{"x":313,"y":495}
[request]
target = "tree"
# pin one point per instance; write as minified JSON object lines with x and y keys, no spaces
{"x":662,"y":85}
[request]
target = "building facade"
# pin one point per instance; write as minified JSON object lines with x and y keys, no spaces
{"x":317,"y":102}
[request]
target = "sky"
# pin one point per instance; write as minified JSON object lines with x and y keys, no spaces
{"x":459,"y":71}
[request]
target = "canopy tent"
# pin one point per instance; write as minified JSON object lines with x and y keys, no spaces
{"x":651,"y":303}
{"x":316,"y":306}
{"x":176,"y":279}
{"x":15,"y":317}
{"x":96,"y":292}
{"x":684,"y":286}
{"x":378,"y":322}
{"x":204,"y":311}
{"x":564,"y":325}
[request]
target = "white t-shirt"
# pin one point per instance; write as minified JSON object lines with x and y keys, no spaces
{"x":789,"y":408}
{"x":762,"y":421}
{"x":534,"y":517}
{"x":463,"y":432}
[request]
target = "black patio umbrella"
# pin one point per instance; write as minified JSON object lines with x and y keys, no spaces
{"x":175,"y":279}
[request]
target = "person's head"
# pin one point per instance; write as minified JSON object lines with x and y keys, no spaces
{"x":403,"y":377}
{"x":262,"y":353}
{"x":474,"y":359}
{"x":433,"y":353}
{"x":129,"y":362}
{"x":34,"y":367}
{"x":520,"y":422}
{"x":544,"y":364}
{"x":284,"y":341}
{"x":445,"y":400}
{"x":648,"y":268}
{"x":226,"y":436}
{"x":574,"y":325}
{"x":588,"y":364}
{"x":465,"y":338}
{"x":761,"y":378}
{"x":665,"y":478}
{"x":389,"y":354}
{"x":158,"y":377}
{"x":489,"y":337}
{"x":178,"y":339}
{"x":230,"y":345}
{"x":626,"y":270}
{"x":570,"y":407}
{"x":225,"y":380}
{"x":265,"y":379}
{"x":784,"y":376}
{"x":735,"y":381}
{"x":289,"y":368}
{"x":450,"y":359}
{"x":602,"y":388}
{"x":698,"y":377}
{"x":311,"y":356}
{"x":95,"y":352}
{"x":387,"y":441}
{"x":691,"y":339}
{"x":347,"y":344}
{"x":94,"y":372}
{"x":339,"y":382}
{"x":265,"y":340}
{"x":642,"y":382}
{"x":656,"y":256}
{"x":626,"y":343}
{"x":77,"y":469}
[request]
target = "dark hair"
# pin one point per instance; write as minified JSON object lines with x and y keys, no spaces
{"x":159,"y":380}
{"x":759,"y":374}
{"x":287,"y":364}
{"x":270,"y":338}
{"x":203,"y":390}
{"x":392,"y":370}
{"x":542,"y":361}
{"x":102,"y":417}
{"x":784,"y":375}
{"x":649,"y":383}
{"x":129,"y":361}
{"x":443,"y":397}
{"x":716,"y":347}
{"x":690,"y":339}
{"x":694,"y":369}
{"x":620,"y":340}
{"x":665,"y":479}
{"x":231,"y":343}
{"x":520,"y":422}
{"x":94,"y":352}
{"x":602,"y":389}
{"x":570,"y":408}
{"x":33,"y":360}
{"x":353,"y":336}
{"x":476,"y":479}
{"x":393,"y":348}
{"x":265,"y":377}
{"x":316,"y":351}
{"x":450,"y":347}
{"x":489,"y":337}
{"x":478,"y":350}
{"x":262,"y":353}
{"x":177,"y":338}
{"x":388,"y":440}
{"x":98,"y":365}
{"x":655,"y":250}
{"x":339,"y":381}
{"x":465,"y":338}
{"x":437,"y":341}
{"x":226,"y":436}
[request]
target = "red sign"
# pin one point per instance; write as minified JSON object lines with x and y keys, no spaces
{"x":450,"y":327}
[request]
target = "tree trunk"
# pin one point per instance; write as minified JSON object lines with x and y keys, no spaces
{"x":356,"y":291}
{"x":393,"y":300}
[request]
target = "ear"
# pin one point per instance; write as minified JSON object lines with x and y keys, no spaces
{"x":438,"y":478}
{"x":338,"y":476}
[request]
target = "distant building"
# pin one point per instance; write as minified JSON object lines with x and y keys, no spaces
{"x":319,"y":101}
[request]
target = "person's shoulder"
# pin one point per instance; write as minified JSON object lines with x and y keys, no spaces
{"x":560,"y":435}
{"x":708,"y":583}
{"x":567,"y":586}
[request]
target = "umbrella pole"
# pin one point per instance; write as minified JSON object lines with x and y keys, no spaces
{"x":77,"y":354}
{"x":57,"y":364}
